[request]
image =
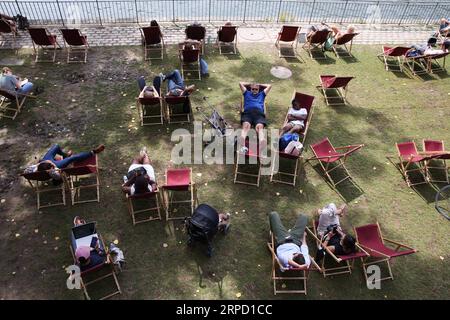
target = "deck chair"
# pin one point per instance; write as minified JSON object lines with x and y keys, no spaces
{"x":250,"y":158}
{"x":417,"y":65}
{"x":83,"y":175}
{"x":330,"y":159}
{"x":289,"y":35}
{"x":178,"y":181}
{"x":316,"y":43}
{"x":190,"y":63}
{"x":436,"y":149}
{"x":44,"y":40}
{"x":153,"y":41}
{"x":11,"y":103}
{"x":226,"y":36}
{"x":5,"y":27}
{"x":370,"y":238}
{"x":410,"y":161}
{"x":306,"y":101}
{"x":337,"y":85}
{"x":280,"y":276}
{"x":146,"y":105}
{"x":82,"y":236}
{"x":152,"y":208}
{"x":178,"y":107}
{"x":75,"y":42}
{"x":393,"y":57}
{"x":197,"y":32}
{"x":41,"y":182}
{"x":433,"y":64}
{"x":345,"y":263}
{"x":342,"y":42}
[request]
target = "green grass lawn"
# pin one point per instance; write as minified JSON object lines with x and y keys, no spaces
{"x":384,"y":108}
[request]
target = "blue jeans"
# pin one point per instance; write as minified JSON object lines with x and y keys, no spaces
{"x":175,"y":81}
{"x":26,"y":88}
{"x":141,"y":83}
{"x":56,"y":150}
{"x":203,"y":66}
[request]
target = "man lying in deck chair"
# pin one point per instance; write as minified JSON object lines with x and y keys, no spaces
{"x":290,"y":246}
{"x":12,"y":83}
{"x":175,"y":84}
{"x":296,"y":118}
{"x":444,"y":27}
{"x":253,"y":113}
{"x":141,"y":176}
{"x":56,"y":159}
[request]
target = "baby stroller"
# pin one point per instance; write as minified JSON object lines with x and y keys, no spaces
{"x":216,"y":121}
{"x":203,"y":225}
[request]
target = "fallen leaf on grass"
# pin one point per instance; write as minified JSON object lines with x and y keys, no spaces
{"x":238,"y":295}
{"x":116,"y":241}
{"x":165,"y":245}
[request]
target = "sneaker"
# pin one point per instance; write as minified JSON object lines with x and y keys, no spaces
{"x":99,"y":149}
{"x":244,"y":150}
{"x":190,"y":89}
{"x":163,"y":77}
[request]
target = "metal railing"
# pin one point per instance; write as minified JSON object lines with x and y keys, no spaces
{"x":100,"y":12}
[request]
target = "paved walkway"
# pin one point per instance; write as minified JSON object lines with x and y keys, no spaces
{"x":247,"y":33}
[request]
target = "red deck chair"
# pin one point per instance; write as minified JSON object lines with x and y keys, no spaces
{"x":11,"y":103}
{"x":433,"y":64}
{"x":5,"y":27}
{"x":197,"y":33}
{"x":152,"y":206}
{"x":227,"y":35}
{"x":330,"y":158}
{"x":342,"y":42}
{"x":43,"y":39}
{"x":305,"y":101}
{"x":178,"y":181}
{"x":316,"y":43}
{"x":436,"y":149}
{"x":410,"y":161}
{"x":337,"y":85}
{"x":153,"y":41}
{"x":82,"y":236}
{"x":417,"y":65}
{"x":190,"y":63}
{"x":146,"y":105}
{"x":41,"y":182}
{"x":370,"y":238}
{"x":83,"y":175}
{"x":178,"y":109}
{"x":247,"y":160}
{"x":76,"y":42}
{"x":346,"y":260}
{"x":289,"y":35}
{"x":391,"y":55}
{"x":282,"y":277}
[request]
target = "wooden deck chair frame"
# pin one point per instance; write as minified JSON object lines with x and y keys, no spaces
{"x":341,"y":163}
{"x":144,"y":108}
{"x":167,"y":195}
{"x":295,"y":274}
{"x":190,"y":67}
{"x":404,"y":168}
{"x":310,"y":47}
{"x":75,"y":184}
{"x":344,"y":268}
{"x":433,"y":64}
{"x":5,"y":26}
{"x":293,"y":44}
{"x":369,"y":260}
{"x":40,"y":187}
{"x":341,"y":97}
{"x":131,"y":200}
{"x":429,"y":166}
{"x":45,"y":48}
{"x":169,"y":109}
{"x":348,"y":50}
{"x":388,"y":60}
{"x":107,"y":264}
{"x":157,"y":47}
{"x":220,"y":44}
{"x":11,"y":102}
{"x":417,"y":65}
{"x":76,"y":48}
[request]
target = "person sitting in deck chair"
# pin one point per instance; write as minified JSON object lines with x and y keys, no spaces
{"x":291,"y":247}
{"x":329,"y":216}
{"x":296,"y":119}
{"x":56,"y":159}
{"x":12,"y":83}
{"x":88,"y":257}
{"x":337,"y":34}
{"x":313,"y":29}
{"x":175,"y":84}
{"x":444,"y":27}
{"x":141,"y":176}
{"x":190,"y":44}
{"x":253,"y":113}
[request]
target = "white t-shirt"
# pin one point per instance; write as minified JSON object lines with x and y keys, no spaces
{"x":328,"y":216}
{"x":150,"y":172}
{"x":302,"y":112}
{"x":286,"y":251}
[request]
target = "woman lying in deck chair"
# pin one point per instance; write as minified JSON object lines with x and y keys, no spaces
{"x":296,"y":119}
{"x":291,"y":248}
{"x":141,"y":176}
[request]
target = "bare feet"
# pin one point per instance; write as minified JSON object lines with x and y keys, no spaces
{"x":190,"y":89}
